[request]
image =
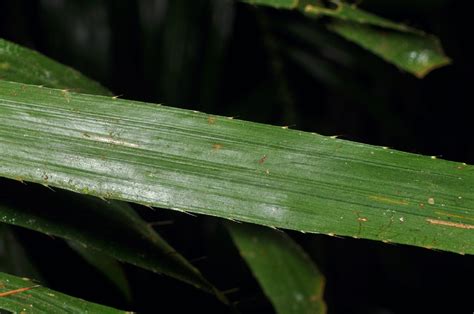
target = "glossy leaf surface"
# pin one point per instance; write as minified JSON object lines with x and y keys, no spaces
{"x":190,"y":161}
{"x":23,"y":65}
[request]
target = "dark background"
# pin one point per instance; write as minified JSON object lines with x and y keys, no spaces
{"x":276,"y":67}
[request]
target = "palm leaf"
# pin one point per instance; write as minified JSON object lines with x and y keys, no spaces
{"x":27,"y":66}
{"x":190,"y":161}
{"x":20,"y":295}
{"x":287,"y":275}
{"x":406,"y":47}
{"x":82,"y":219}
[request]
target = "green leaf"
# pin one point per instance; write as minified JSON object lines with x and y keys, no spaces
{"x":286,"y":274}
{"x":286,"y":4}
{"x":20,"y":64}
{"x":126,"y":236}
{"x":406,"y":47}
{"x":20,"y":295}
{"x":13,"y":258}
{"x":416,"y":54}
{"x":24,"y":65}
{"x":190,"y":161}
{"x":106,"y":265}
{"x":351,"y":13}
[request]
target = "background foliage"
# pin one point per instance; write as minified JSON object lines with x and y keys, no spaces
{"x":269,"y":66}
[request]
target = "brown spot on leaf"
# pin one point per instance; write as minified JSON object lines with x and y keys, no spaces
{"x":453,"y":215}
{"x":211,"y":120}
{"x":449,"y":224}
{"x":216,"y":146}
{"x":388,"y":200}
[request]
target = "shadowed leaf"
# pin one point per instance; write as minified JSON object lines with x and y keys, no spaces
{"x":13,"y":258}
{"x":351,"y":13}
{"x":406,"y":47}
{"x":107,"y":265}
{"x":112,"y":228}
{"x":21,"y":295}
{"x":286,"y":274}
{"x":20,"y":64}
{"x":286,"y":4}
{"x":411,"y":52}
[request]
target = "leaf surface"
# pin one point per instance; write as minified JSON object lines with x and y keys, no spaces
{"x":409,"y":51}
{"x":285,"y":272}
{"x":21,"y":295}
{"x":106,"y":265}
{"x":190,"y":161}
{"x":406,"y":47}
{"x":113,"y":229}
{"x":286,"y":4}
{"x":20,"y":64}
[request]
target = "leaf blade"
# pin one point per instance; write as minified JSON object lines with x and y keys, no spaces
{"x":286,"y":274}
{"x":20,"y":64}
{"x":351,"y":13}
{"x":13,"y":257}
{"x":20,"y":294}
{"x":406,"y":47}
{"x":190,"y":161}
{"x":286,"y":4}
{"x":413,"y":53}
{"x":109,"y":267}
{"x":127,"y":238}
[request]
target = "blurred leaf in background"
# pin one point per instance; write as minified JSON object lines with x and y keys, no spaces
{"x":288,"y":276}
